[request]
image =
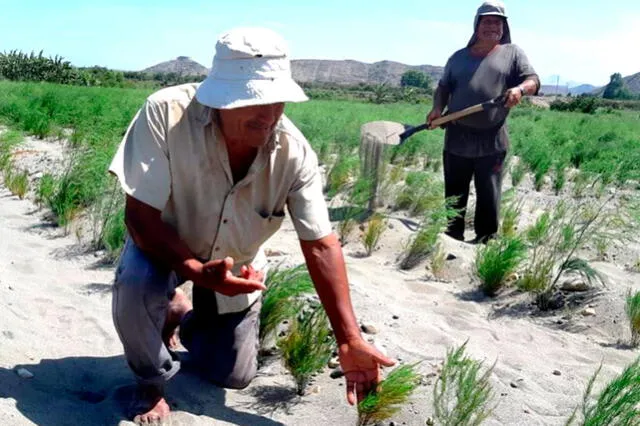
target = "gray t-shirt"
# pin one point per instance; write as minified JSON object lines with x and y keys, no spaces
{"x":472,"y":80}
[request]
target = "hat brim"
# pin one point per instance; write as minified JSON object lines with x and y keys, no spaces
{"x":502,"y":15}
{"x":229,"y":94}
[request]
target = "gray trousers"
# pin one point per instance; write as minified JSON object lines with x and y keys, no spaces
{"x":224,"y":348}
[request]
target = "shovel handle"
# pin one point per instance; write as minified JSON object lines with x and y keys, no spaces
{"x":468,"y":111}
{"x":457,"y":115}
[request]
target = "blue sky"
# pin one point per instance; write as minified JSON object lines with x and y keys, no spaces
{"x":581,"y":41}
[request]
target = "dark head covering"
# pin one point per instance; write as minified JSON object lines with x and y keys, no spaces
{"x":494,"y":8}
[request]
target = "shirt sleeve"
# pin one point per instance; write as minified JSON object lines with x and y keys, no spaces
{"x":141,"y":162}
{"x":524,"y":70}
{"x":305,"y":201}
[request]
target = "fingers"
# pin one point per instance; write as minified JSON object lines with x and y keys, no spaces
{"x":233,"y":286}
{"x":351,"y":392}
{"x":357,"y":390}
{"x":218,"y":266}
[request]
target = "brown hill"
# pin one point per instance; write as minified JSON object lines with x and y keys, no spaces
{"x":182,"y":65}
{"x":319,"y":71}
{"x":351,"y":72}
{"x":633,"y":83}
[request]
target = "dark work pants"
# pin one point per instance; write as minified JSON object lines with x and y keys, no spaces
{"x":224,"y":347}
{"x":487,"y":177}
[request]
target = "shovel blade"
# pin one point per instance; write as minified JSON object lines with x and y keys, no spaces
{"x":382,"y":132}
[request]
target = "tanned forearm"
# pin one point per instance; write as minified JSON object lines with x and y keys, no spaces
{"x":157,"y":239}
{"x":530,"y":86}
{"x":328,"y":271}
{"x":440,"y":98}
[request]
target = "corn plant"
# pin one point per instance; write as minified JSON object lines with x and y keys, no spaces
{"x":462,"y":395}
{"x":279,"y":300}
{"x":308,"y":346}
{"x":496,"y":261}
{"x":372,"y":233}
{"x":633,"y":313}
{"x":618,"y":404}
{"x":391,"y":394}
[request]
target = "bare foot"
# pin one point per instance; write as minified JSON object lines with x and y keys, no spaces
{"x":178,"y":308}
{"x":148,"y":406}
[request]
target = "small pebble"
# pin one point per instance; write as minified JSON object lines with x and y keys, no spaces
{"x":527,"y":412}
{"x":557,"y":373}
{"x":337,"y":373}
{"x":24,"y":373}
{"x":513,"y":385}
{"x":589,"y":312}
{"x":368,"y":329}
{"x":395,"y":317}
{"x":333,"y":363}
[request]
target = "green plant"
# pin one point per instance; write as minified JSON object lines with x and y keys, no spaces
{"x":496,"y":261}
{"x":279,"y":300}
{"x":308,"y":346}
{"x":373,"y":231}
{"x":518,"y":171}
{"x":633,"y":313}
{"x":16,"y":181}
{"x":421,"y":194}
{"x":45,"y":189}
{"x":424,"y":242}
{"x":601,"y":245}
{"x":438,"y":260}
{"x":510,"y":216}
{"x":618,"y":404}
{"x":392,"y":393}
{"x":345,"y":228}
{"x":341,"y":173}
{"x":559,"y":178}
{"x":462,"y":395}
{"x":556,"y":237}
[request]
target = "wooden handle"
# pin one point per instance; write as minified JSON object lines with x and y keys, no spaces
{"x":456,"y":115}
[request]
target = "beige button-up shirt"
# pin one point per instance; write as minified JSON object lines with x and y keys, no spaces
{"x":174,"y":159}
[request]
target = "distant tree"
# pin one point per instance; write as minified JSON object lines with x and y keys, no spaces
{"x":415,"y":78}
{"x":616,"y":88}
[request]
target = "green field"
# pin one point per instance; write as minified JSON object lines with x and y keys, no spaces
{"x":606,"y":143}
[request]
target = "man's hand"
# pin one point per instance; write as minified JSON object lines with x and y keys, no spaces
{"x":361,"y":362}
{"x":513,"y":97}
{"x":216,"y":275}
{"x":434,"y":114}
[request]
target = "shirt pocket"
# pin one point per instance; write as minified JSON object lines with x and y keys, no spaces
{"x":261,"y":226}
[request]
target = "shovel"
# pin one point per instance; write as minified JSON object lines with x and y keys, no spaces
{"x":391,"y":133}
{"x":377,"y":135}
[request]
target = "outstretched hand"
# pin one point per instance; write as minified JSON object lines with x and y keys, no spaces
{"x":217,"y":275}
{"x":361,"y":363}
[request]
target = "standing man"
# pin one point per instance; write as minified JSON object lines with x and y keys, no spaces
{"x":476,"y":146}
{"x":208,"y":170}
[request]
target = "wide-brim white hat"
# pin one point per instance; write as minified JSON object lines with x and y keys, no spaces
{"x":251,"y":67}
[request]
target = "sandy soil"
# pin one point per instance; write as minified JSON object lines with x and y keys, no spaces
{"x":56,"y":323}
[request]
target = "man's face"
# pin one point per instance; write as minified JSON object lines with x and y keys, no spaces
{"x":490,"y":29}
{"x":251,"y":126}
